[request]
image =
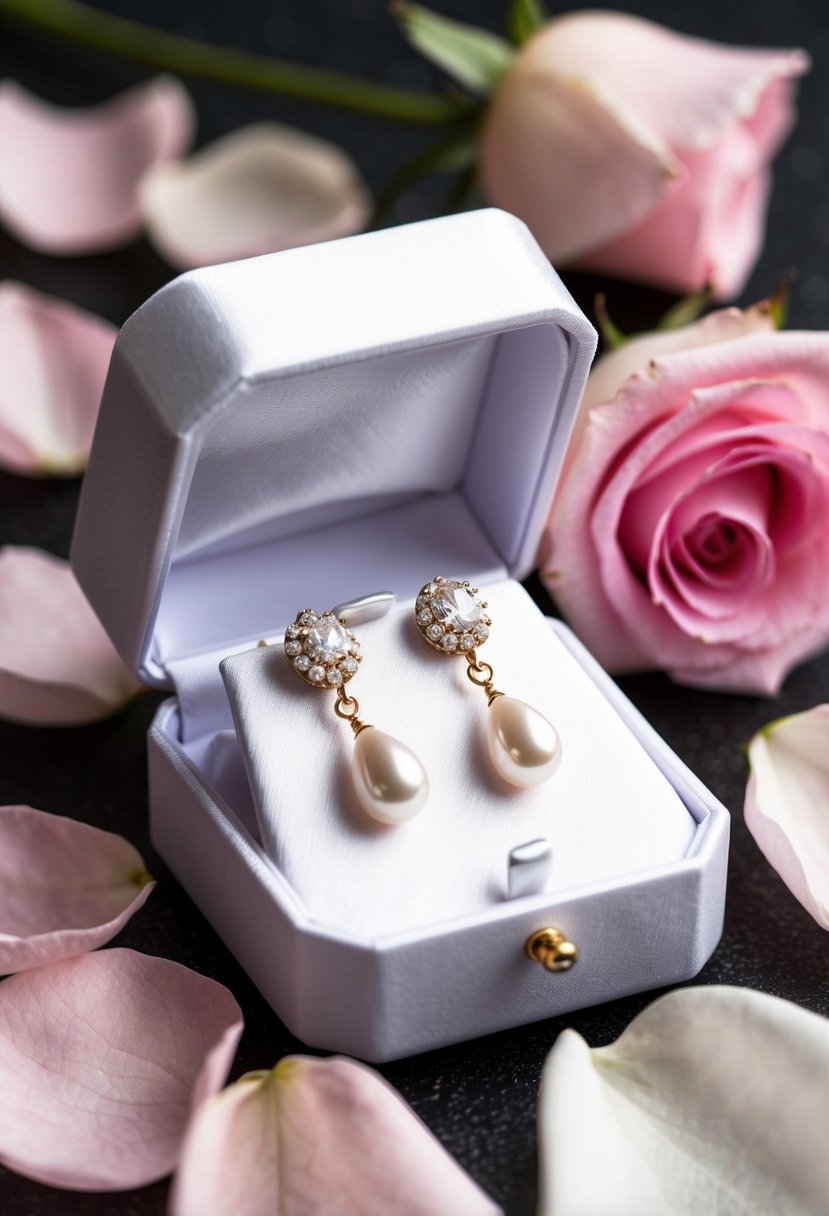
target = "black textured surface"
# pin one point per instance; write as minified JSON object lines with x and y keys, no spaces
{"x":478,"y":1097}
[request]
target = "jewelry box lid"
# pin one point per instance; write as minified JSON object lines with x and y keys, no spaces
{"x":315,"y":424}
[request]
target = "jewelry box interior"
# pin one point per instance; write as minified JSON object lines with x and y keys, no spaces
{"x":607,"y":811}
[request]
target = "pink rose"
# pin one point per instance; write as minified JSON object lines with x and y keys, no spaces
{"x":690,"y":530}
{"x":638,"y":152}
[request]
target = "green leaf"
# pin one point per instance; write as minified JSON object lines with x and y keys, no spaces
{"x":525,"y":18}
{"x":778,"y":301}
{"x":474,"y":57}
{"x":687,"y":310}
{"x":91,"y":26}
{"x":612,"y":336}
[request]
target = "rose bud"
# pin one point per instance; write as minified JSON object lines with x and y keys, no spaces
{"x":690,"y":530}
{"x":633,"y":151}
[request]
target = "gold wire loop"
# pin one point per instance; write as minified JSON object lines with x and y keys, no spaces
{"x":479,"y":673}
{"x":482,"y":675}
{"x":347,"y":708}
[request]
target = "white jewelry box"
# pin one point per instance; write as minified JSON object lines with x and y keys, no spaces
{"x":309,"y":427}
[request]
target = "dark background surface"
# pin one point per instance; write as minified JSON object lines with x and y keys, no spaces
{"x":479,"y":1097}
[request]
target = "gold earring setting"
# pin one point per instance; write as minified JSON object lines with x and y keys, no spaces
{"x":389,"y":780}
{"x":524,"y":747}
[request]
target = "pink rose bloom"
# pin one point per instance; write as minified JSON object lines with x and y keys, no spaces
{"x":690,"y":530}
{"x":641,"y":153}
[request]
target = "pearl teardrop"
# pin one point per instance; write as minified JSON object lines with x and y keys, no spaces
{"x":389,"y":780}
{"x":523,"y":746}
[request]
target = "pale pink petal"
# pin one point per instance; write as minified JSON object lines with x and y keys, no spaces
{"x":564,"y":155}
{"x":317,"y":1137}
{"x":797,"y":359}
{"x":689,"y":90}
{"x":708,"y":233}
{"x":70,"y":177}
{"x":786,"y":804}
{"x":65,"y":887}
{"x":611,"y":371}
{"x":736,"y":229}
{"x":53,"y":363}
{"x":57,"y":665}
{"x":101,"y":1059}
{"x":261,"y":189}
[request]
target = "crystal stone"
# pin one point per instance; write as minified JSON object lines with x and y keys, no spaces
{"x":316,"y":674}
{"x":327,"y":640}
{"x":455,"y":607}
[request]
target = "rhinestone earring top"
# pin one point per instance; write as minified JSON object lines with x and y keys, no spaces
{"x":524,"y":747}
{"x":389,"y":780}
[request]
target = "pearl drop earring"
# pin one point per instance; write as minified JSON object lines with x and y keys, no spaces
{"x":524,"y":747}
{"x":389,"y":780}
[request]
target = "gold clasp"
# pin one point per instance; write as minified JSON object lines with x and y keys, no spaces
{"x":551,"y":949}
{"x":347,"y":708}
{"x":482,"y":675}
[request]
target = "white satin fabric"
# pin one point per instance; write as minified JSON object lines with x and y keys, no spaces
{"x":608,"y":812}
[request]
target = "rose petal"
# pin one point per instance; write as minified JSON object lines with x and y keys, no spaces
{"x":613,"y":369}
{"x":53,"y":363}
{"x":261,"y":189}
{"x":707,"y":234}
{"x":769,"y":483}
{"x":57,"y":665}
{"x":713,"y":1100}
{"x":65,"y":887}
{"x":544,"y":140}
{"x":317,"y":1136}
{"x":689,"y":90}
{"x":102,"y":1057}
{"x":802,"y":591}
{"x":70,"y":177}
{"x":756,"y":673}
{"x":786,"y":801}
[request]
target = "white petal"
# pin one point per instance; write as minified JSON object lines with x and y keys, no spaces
{"x":713,"y":1100}
{"x":787,"y":804}
{"x":261,"y":189}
